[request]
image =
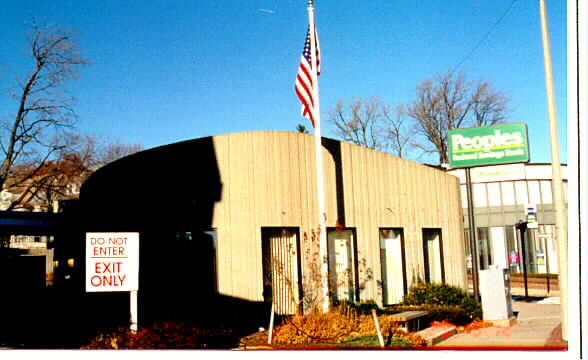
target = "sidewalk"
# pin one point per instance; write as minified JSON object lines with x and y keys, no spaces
{"x":537,"y":327}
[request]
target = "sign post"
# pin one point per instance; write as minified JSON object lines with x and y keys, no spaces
{"x":487,"y":145}
{"x":112,"y":264}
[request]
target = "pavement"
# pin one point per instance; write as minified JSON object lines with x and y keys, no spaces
{"x":537,"y":327}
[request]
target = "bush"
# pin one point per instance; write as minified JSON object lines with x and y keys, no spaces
{"x":336,"y":327}
{"x":444,"y":295}
{"x":166,"y":335}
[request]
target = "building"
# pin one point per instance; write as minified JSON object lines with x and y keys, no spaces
{"x":501,"y":195}
{"x":236,"y":216}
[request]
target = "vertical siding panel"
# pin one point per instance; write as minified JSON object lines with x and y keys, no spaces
{"x":294,"y":195}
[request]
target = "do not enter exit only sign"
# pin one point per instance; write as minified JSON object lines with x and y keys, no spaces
{"x":112,"y":262}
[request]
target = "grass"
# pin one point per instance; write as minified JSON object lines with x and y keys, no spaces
{"x":372,"y":341}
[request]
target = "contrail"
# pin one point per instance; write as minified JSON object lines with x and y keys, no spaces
{"x":267,"y":11}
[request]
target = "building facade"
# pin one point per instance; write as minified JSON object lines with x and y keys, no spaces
{"x":504,"y":195}
{"x":236,"y":215}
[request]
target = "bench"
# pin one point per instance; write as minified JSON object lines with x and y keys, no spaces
{"x":409,"y":319}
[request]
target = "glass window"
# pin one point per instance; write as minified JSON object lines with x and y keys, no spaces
{"x":433,"y":256}
{"x":479,"y":192}
{"x":512,"y":248}
{"x":392,"y":260}
{"x":546,"y":192}
{"x":521,"y":192}
{"x":534,"y":193}
{"x":508,"y":193}
{"x":494,"y":194}
{"x":464,"y":196}
{"x":484,"y":248}
{"x":342,"y":265}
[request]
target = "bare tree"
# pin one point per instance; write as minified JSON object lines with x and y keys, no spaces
{"x":360,"y":123}
{"x":61,"y":178}
{"x":34,"y":138}
{"x":396,"y":133}
{"x":450,"y":102}
{"x":112,"y":152}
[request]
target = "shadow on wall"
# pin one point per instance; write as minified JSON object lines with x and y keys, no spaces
{"x":167,"y":194}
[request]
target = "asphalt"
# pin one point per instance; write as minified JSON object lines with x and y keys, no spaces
{"x":537,"y":327}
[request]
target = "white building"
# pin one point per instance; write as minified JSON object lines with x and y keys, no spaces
{"x":501,"y":196}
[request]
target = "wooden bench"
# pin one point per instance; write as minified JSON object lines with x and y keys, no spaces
{"x":409,"y":319}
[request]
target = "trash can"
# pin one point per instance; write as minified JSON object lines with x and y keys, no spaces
{"x":495,"y":292}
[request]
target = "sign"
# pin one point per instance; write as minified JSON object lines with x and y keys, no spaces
{"x":540,"y":257}
{"x":513,"y":258}
{"x":488,"y":145}
{"x":508,"y":172}
{"x":531,"y":211}
{"x":112,"y":262}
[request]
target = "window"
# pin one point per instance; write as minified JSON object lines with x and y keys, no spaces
{"x":343,"y":276}
{"x":484,"y":248}
{"x":521,"y":192}
{"x":393,"y":263}
{"x":433,"y":256}
{"x":479,"y":194}
{"x":534,"y":193}
{"x":508,"y":193}
{"x":494,"y":196}
{"x":546,"y":192}
{"x":202,"y":244}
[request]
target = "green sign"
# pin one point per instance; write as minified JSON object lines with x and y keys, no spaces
{"x":489,"y":145}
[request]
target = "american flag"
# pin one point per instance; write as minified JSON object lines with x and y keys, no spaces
{"x":304,"y":79}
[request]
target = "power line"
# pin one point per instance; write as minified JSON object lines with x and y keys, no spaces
{"x":485,"y":37}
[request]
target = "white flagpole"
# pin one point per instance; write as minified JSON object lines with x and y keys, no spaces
{"x":320,"y":186}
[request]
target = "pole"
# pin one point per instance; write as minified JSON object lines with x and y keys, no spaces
{"x":134,"y":312}
{"x":271,"y":325}
{"x":473,"y":235}
{"x":557,"y":184}
{"x":522,"y":227}
{"x":377,"y":323}
{"x":320,"y":186}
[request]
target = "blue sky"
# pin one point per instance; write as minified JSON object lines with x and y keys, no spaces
{"x":166,"y":71}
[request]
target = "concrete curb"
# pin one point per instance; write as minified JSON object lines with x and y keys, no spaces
{"x":436,"y":334}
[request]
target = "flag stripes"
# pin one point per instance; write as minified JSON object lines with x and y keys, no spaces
{"x":305,"y":80}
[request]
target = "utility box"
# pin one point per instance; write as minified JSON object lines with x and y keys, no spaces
{"x":496,"y":296}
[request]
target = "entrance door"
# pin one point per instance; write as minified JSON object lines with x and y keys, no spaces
{"x":281,"y":272}
{"x":393,"y":266}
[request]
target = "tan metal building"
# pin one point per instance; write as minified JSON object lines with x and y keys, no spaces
{"x":390,"y":222}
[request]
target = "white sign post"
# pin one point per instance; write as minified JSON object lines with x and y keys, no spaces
{"x":112,"y":264}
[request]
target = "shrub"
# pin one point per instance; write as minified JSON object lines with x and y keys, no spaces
{"x":336,"y":327}
{"x":165,"y":335}
{"x":443,"y":295}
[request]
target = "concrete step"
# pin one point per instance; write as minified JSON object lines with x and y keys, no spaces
{"x":436,"y":334}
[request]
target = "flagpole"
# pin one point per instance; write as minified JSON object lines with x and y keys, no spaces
{"x":320,"y":186}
